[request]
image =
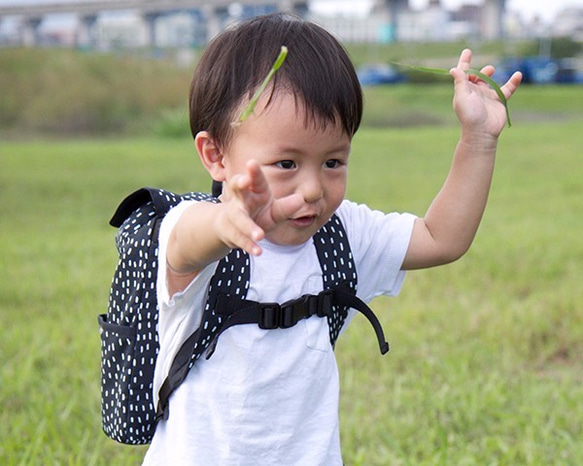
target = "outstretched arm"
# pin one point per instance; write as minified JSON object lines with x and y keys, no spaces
{"x":449,"y":226}
{"x":206,"y":232}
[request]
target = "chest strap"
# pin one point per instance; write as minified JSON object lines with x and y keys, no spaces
{"x":270,"y":316}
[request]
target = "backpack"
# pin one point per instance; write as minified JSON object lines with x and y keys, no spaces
{"x":129,"y":337}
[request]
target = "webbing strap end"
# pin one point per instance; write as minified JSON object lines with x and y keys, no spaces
{"x":384,"y":347}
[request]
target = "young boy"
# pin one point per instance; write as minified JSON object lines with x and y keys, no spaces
{"x":270,"y":397}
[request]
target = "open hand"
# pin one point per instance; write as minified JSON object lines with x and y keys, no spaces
{"x":251,"y":210}
{"x":477,"y":106}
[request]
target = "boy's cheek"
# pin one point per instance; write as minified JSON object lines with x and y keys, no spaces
{"x":277,"y":184}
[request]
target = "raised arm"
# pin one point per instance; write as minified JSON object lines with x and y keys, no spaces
{"x":450,"y":224}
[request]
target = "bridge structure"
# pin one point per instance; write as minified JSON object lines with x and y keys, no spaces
{"x":212,"y":13}
{"x":207,"y":17}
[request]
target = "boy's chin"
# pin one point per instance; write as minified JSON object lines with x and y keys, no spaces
{"x":290,"y":237}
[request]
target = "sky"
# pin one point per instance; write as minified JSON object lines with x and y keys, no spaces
{"x":545,"y":9}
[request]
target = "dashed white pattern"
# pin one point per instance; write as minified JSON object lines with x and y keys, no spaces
{"x":231,"y":277}
{"x":332,"y":247}
{"x":129,"y":337}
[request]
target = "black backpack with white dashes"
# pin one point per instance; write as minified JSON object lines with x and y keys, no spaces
{"x":129,"y":336}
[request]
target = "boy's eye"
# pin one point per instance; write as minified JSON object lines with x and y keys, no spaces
{"x":333,"y":163}
{"x":286,"y":164}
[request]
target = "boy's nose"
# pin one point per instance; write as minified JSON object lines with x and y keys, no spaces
{"x":311,"y":189}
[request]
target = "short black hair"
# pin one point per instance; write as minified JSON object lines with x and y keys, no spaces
{"x":317,"y":72}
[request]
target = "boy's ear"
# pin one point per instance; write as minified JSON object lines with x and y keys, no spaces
{"x":210,"y":154}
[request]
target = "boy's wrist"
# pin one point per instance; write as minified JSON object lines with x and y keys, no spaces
{"x":478,"y":141}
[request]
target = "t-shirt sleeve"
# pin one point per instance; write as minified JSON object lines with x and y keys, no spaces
{"x":379,"y":243}
{"x":182,"y":301}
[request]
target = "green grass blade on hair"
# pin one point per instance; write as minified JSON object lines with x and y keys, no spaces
{"x":250,"y":107}
{"x":487,"y":79}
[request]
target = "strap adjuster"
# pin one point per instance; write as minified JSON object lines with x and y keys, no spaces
{"x":325,"y":301}
{"x":269,"y":316}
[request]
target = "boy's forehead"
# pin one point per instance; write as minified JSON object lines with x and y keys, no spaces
{"x":275,"y":102}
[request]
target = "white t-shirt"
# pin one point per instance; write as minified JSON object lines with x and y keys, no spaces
{"x":267,"y":397}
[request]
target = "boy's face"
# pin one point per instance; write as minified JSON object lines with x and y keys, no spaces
{"x":296,"y":158}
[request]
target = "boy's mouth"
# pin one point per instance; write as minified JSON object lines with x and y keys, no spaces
{"x":303,"y":222}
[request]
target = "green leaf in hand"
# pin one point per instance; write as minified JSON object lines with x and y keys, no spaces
{"x":487,"y":79}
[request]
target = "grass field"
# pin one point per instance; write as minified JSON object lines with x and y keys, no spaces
{"x":486,"y":360}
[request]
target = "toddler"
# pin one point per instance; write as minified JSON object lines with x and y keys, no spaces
{"x":270,"y":397}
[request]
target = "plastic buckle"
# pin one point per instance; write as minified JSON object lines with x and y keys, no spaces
{"x":286,"y":315}
{"x":269,"y":316}
{"x":294,"y":310}
{"x":325,"y":299}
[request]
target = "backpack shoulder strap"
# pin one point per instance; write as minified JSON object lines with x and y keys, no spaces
{"x":338,"y":267}
{"x":339,"y":275}
{"x":230,"y":278}
{"x":161,"y":200}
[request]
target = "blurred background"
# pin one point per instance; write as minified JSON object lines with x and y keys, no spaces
{"x":96,"y":46}
{"x":486,"y":362}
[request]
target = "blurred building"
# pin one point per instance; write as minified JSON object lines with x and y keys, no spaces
{"x":432,"y":24}
{"x":569,"y":23}
{"x":395,"y":20}
{"x":381,"y":21}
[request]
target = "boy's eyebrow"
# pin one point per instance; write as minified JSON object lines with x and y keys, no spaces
{"x":344,"y":147}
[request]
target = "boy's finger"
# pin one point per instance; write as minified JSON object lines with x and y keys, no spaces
{"x":512,"y":84}
{"x":463,"y":64}
{"x":245,"y":233}
{"x":240,"y":183}
{"x":284,"y":208}
{"x":249,"y":246}
{"x":465,"y":59}
{"x":488,"y":70}
{"x":258,"y":182}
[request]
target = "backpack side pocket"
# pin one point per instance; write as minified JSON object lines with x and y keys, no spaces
{"x":117,"y":349}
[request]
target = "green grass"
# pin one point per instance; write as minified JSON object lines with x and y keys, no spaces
{"x":408,"y":105}
{"x":48,"y":92}
{"x":57,"y":91}
{"x":429,"y":52}
{"x":485,"y":365}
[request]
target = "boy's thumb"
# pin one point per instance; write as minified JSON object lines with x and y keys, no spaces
{"x":285,"y":207}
